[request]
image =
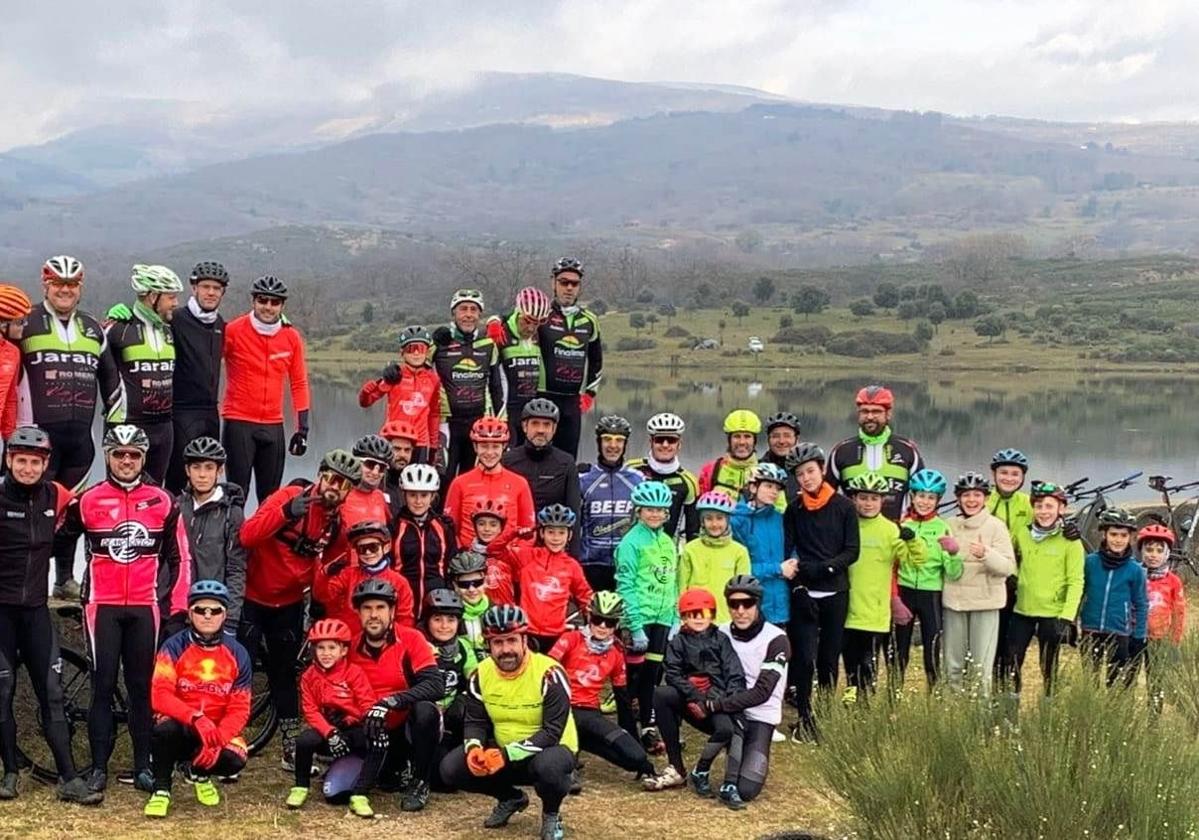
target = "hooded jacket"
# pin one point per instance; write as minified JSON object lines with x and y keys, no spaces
{"x":214,"y":533}
{"x":1114,"y":595}
{"x":709,"y":563}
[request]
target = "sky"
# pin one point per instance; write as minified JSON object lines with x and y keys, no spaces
{"x":74,"y":64}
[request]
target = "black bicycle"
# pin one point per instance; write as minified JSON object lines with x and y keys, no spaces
{"x":1181,"y":518}
{"x":1094,"y":502}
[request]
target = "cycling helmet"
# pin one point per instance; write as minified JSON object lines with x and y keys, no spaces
{"x":374,"y":447}
{"x":782,"y":418}
{"x":415,"y":334}
{"x":28,"y":439}
{"x":533,"y":303}
{"x":1156,"y":532}
{"x":867,"y":483}
{"x":466,"y":563}
{"x":540,"y":408}
{"x":555,"y":516}
{"x":1117,"y":518}
{"x":802,"y":453}
{"x":928,"y":481}
{"x":373,"y":589}
{"x":14,"y":303}
{"x":62,"y":269}
{"x":466,"y":296}
{"x":489,"y":429}
{"x":270,"y":286}
{"x":204,"y":449}
{"x":490,"y":507}
{"x":665,"y":424}
{"x":611,"y":424}
{"x":126,"y":436}
{"x":330,"y":630}
{"x":394,"y":429}
{"x":442,"y":602}
{"x":769,"y":472}
{"x":715,"y":500}
{"x":503,"y":619}
{"x":213,"y":589}
{"x":568,"y":264}
{"x":420,"y":478}
{"x":876,"y":395}
{"x":744,"y":585}
{"x":971,"y":481}
{"x":652,"y":494}
{"x":1009,"y":457}
{"x":343,"y":463}
{"x":154,"y":279}
{"x":606,"y":605}
{"x":208,"y":270}
{"x":368,"y":528}
{"x":1046,"y":489}
{"x":696,"y":598}
{"x":742,"y":420}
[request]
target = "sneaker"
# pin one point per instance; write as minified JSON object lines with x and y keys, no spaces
{"x":730,"y":798}
{"x":97,"y":781}
{"x":576,"y":782}
{"x":207,"y":793}
{"x":505,"y":810}
{"x":416,"y":797}
{"x":551,"y":827}
{"x":78,"y":792}
{"x":296,"y":797}
{"x":68,"y":591}
{"x":8,"y":786}
{"x":142,"y":780}
{"x":701,"y":783}
{"x":158,"y":804}
{"x":230,"y":779}
{"x":777,"y":737}
{"x":652,"y":741}
{"x":804,"y":732}
{"x":668,"y":778}
{"x":360,"y":806}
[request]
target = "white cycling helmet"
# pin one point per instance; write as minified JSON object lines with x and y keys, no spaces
{"x":466,"y":296}
{"x":62,"y":267}
{"x":150,"y":279}
{"x":665,"y":424}
{"x":420,"y":478}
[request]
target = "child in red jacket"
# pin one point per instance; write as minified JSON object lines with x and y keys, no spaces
{"x":413,"y":391}
{"x":1167,"y":608}
{"x":334,"y":696}
{"x":369,"y":556}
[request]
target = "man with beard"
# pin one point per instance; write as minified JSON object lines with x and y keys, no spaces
{"x":607,"y":502}
{"x":730,"y":472}
{"x":876,"y":449}
{"x":402,"y":437}
{"x":518,"y":727}
{"x":552,"y":474}
{"x":285,"y":539}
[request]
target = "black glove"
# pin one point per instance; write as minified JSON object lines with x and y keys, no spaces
{"x":391,"y":373}
{"x":1070,"y":530}
{"x":338,"y":748}
{"x":1065,"y":629}
{"x":906,"y":534}
{"x":337,"y":566}
{"x":374,"y":725}
{"x":299,"y":444}
{"x":298,"y":506}
{"x":442,"y":336}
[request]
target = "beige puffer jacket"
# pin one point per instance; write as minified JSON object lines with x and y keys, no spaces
{"x":982,"y":584}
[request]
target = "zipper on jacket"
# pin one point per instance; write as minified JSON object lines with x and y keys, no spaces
{"x":1107,"y":588}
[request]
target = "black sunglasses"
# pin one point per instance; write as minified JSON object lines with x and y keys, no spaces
{"x":268,"y":301}
{"x":605,"y":621}
{"x":208,"y":611}
{"x":569,"y":282}
{"x":741,"y":603}
{"x":473,"y":583}
{"x":665,"y":439}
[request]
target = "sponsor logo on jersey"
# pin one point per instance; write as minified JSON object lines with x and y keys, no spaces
{"x":49,"y":357}
{"x":547,"y":588}
{"x":569,"y":341}
{"x":466,"y":364}
{"x":128,"y":541}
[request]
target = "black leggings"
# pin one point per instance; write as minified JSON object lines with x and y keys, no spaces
{"x":517,"y":432}
{"x":257,"y":448}
{"x":816,"y":630}
{"x":860,"y":654}
{"x":460,"y":450}
{"x":749,"y":757}
{"x":173,"y":742}
{"x":1109,"y":648}
{"x":27,"y":637}
{"x":281,"y":629}
{"x":70,"y":462}
{"x":416,"y":741}
{"x":120,"y":637}
{"x":158,"y":458}
{"x":600,"y":736}
{"x":189,"y":424}
{"x":1004,"y":664}
{"x":1021,"y":631}
{"x":309,"y":742}
{"x":671,"y":710}
{"x":926,"y":608}
{"x":570,"y":423}
{"x":643,"y":677}
{"x":548,"y":772}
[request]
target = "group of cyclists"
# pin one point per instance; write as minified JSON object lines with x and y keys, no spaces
{"x":456,"y":602}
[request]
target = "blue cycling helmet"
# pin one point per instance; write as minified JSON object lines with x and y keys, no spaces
{"x":212,"y":589}
{"x":556,"y":516}
{"x":928,"y":481}
{"x":769,"y":472}
{"x":1009,"y":457}
{"x":652,"y":494}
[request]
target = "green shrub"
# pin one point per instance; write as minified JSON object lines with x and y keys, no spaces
{"x":676,"y":331}
{"x":807,"y":334}
{"x":630,"y":343}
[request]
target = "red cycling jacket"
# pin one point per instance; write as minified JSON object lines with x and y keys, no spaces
{"x":404,"y":665}
{"x":335,"y":591}
{"x":335,"y":698}
{"x":135,"y":544}
{"x":255,"y":365}
{"x":422,"y":550}
{"x":416,"y":398}
{"x":546,"y":582}
{"x":360,"y":505}
{"x":503,"y":485}
{"x":190,"y":678}
{"x":587,"y":670}
{"x":281,"y":552}
{"x":10,"y":374}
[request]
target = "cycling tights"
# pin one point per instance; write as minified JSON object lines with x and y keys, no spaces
{"x":926,"y":608}
{"x":671,"y":711}
{"x":749,"y":757}
{"x":174,"y":742}
{"x":859,"y":652}
{"x":643,"y":677}
{"x":189,"y":424}
{"x":600,"y":736}
{"x":70,"y":462}
{"x":257,"y":448}
{"x":460,"y":455}
{"x":162,"y":437}
{"x":281,"y":630}
{"x":27,"y":635}
{"x":816,"y":629}
{"x":570,"y":423}
{"x":120,"y":636}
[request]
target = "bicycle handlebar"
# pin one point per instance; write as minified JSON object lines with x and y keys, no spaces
{"x":1175,"y":488}
{"x":1123,"y":483}
{"x":1073,"y":487}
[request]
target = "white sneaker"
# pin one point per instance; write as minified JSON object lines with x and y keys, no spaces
{"x":777,"y":737}
{"x":668,"y":778}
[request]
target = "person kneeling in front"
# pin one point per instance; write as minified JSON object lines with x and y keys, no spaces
{"x":200,"y":694}
{"x":518,"y":727}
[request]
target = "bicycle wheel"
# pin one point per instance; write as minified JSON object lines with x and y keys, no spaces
{"x":263,"y":718}
{"x":1184,"y":526}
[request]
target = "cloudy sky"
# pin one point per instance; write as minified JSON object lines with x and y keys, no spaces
{"x":78,"y":63}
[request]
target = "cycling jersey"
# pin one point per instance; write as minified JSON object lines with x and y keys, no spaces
{"x":1014,"y":511}
{"x":520,"y":359}
{"x":421,"y":551}
{"x":647,"y":577}
{"x":28,"y":517}
{"x":199,"y":344}
{"x":709,"y":563}
{"x":476,"y":485}
{"x":1167,"y":607}
{"x":190,"y":677}
{"x":1049,"y":575}
{"x":726,"y":474}
{"x":457,"y":661}
{"x":571,"y":351}
{"x":135,"y":544}
{"x":529,"y":710}
{"x":403,"y":667}
{"x":257,"y":357}
{"x":893,"y":457}
{"x":336,"y":592}
{"x":62,"y":363}
{"x":282,"y":552}
{"x":416,"y":398}
{"x":360,"y":505}
{"x":684,"y":489}
{"x":764,"y":653}
{"x":938,"y":564}
{"x":10,"y":374}
{"x":586,"y":670}
{"x":472,"y":383}
{"x":871,"y":578}
{"x":143,"y":349}
{"x":547,"y":581}
{"x":335,"y":698}
{"x":607,"y":510}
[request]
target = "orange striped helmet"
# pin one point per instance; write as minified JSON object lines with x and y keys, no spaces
{"x":14,"y":303}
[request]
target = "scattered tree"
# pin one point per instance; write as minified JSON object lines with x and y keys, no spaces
{"x":720,"y":325}
{"x":809,"y":300}
{"x":990,"y":326}
{"x":651,"y":319}
{"x":637,"y":321}
{"x":748,"y":241}
{"x":908,"y":310}
{"x":886,"y":296}
{"x":645,"y":296}
{"x":763,"y":290}
{"x":862,"y":307}
{"x":936,"y":314}
{"x":667,"y":311}
{"x":965,"y":304}
{"x":368,"y":312}
{"x":740,"y":310}
{"x":923,"y":332}
{"x":786,"y":322}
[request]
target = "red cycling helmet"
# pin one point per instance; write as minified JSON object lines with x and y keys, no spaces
{"x":1156,"y":532}
{"x":696,"y":599}
{"x":876,"y":395}
{"x":330,"y":630}
{"x":490,"y":507}
{"x":393,"y":429}
{"x":490,"y":429}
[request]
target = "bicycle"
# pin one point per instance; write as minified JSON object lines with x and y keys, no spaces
{"x":1182,"y":519}
{"x":1087,"y":516}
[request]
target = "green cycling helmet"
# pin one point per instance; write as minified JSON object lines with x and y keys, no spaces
{"x":343,"y":463}
{"x":742,"y":420}
{"x":867,"y":483}
{"x":606,"y":605}
{"x":1117,"y":518}
{"x":155,"y":279}
{"x":928,"y":481}
{"x":652,"y":494}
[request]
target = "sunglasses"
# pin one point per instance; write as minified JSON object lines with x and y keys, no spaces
{"x":741,"y":603}
{"x":473,"y":583}
{"x":377,"y":466}
{"x":369,"y":548}
{"x":127,"y":455}
{"x":336,"y":481}
{"x":209,"y":612}
{"x":603,"y":621}
{"x":268,"y":301}
{"x":665,"y":440}
{"x":569,"y":283}
{"x":696,"y":614}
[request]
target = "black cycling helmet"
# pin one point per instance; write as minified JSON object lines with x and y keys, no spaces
{"x":541,"y":408}
{"x":466,"y":563}
{"x":209,"y":270}
{"x":368,"y":528}
{"x":611,"y":424}
{"x":971,"y":481}
{"x":415,"y":334}
{"x":568,"y":264}
{"x":374,"y":447}
{"x":782,"y":418}
{"x":801,"y":454}
{"x":744,"y":585}
{"x":442,"y":602}
{"x":373,"y":589}
{"x":204,"y":449}
{"x":28,"y":439}
{"x":503,"y":619}
{"x":270,"y":286}
{"x":1117,"y":518}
